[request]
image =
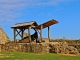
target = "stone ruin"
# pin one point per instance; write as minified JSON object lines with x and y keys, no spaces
{"x":44,"y":47}
{"x":25,"y":40}
{"x":3,"y":37}
{"x":26,"y":45}
{"x":51,"y":47}
{"x":63,"y":48}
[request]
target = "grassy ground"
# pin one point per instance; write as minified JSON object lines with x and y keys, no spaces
{"x":34,"y":56}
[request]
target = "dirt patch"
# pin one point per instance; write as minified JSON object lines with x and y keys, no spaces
{"x":6,"y":56}
{"x":17,"y":59}
{"x":27,"y":59}
{"x":2,"y":54}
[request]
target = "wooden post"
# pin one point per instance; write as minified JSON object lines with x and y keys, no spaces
{"x":49,"y":33}
{"x":14,"y":35}
{"x":41,"y":33}
{"x":29,"y":34}
{"x":22,"y":33}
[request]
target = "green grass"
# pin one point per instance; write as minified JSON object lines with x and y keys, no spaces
{"x":34,"y":56}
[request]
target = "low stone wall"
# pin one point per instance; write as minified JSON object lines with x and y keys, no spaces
{"x":27,"y":47}
{"x":51,"y":47}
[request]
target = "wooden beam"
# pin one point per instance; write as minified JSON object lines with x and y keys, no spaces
{"x":41,"y":33}
{"x":14,"y":35}
{"x":49,"y":33}
{"x":18,"y":33}
{"x":29,"y":34}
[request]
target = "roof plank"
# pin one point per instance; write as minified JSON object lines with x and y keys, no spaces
{"x":25,"y":24}
{"x":46,"y":24}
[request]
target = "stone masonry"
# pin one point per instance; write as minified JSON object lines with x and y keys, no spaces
{"x":3,"y":37}
{"x":53,"y":47}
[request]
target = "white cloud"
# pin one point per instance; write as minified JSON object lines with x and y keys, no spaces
{"x":8,"y":7}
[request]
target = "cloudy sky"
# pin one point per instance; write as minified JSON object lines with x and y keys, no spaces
{"x":67,"y":12}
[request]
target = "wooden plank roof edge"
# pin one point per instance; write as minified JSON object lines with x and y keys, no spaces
{"x":52,"y":20}
{"x":23,"y":23}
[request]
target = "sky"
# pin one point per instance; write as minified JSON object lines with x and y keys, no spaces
{"x":66,"y":12}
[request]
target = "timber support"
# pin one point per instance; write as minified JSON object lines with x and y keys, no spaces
{"x":29,"y":34}
{"x":49,"y":33}
{"x":14,"y":35}
{"x":41,"y":33}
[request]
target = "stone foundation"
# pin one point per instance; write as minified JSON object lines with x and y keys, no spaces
{"x":27,"y":47}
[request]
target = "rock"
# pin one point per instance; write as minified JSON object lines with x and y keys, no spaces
{"x":63,"y":48}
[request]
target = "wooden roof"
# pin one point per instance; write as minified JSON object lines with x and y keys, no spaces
{"x":34,"y":25}
{"x":25,"y":24}
{"x":46,"y":24}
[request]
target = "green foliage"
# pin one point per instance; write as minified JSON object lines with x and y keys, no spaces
{"x":34,"y":56}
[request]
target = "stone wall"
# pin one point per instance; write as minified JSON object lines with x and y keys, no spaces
{"x":51,"y":47}
{"x":27,"y":47}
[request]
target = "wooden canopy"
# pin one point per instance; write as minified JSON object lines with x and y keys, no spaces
{"x":21,"y":27}
{"x":46,"y":24}
{"x":25,"y":25}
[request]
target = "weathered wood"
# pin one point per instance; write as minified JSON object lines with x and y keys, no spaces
{"x":41,"y":33}
{"x":46,"y":24}
{"x":14,"y":35}
{"x":29,"y":34}
{"x":22,"y":33}
{"x":24,"y":24}
{"x":49,"y":33}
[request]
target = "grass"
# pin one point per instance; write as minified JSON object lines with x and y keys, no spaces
{"x":34,"y":56}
